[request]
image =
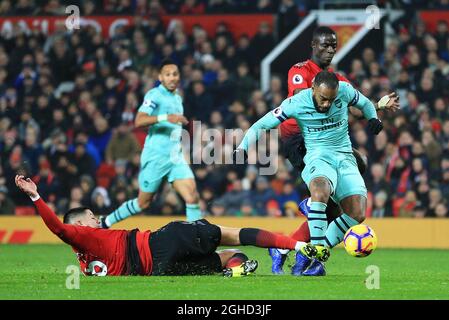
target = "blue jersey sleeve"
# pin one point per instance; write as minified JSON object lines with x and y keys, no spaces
{"x":358,"y":100}
{"x":269,"y":121}
{"x":149,"y":103}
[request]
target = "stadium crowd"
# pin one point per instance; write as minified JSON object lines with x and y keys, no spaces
{"x":67,"y":104}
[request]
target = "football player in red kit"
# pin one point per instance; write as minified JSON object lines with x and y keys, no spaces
{"x":178,"y":248}
{"x":300,"y":76}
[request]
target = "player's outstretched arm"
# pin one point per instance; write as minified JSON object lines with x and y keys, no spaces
{"x":50,"y":218}
{"x":269,"y":121}
{"x":368,"y":109}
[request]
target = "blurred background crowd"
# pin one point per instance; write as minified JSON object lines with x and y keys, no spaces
{"x":68,"y":101}
{"x":159,"y":7}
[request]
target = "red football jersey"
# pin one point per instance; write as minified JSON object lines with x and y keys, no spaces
{"x":300,"y":76}
{"x":100,"y":251}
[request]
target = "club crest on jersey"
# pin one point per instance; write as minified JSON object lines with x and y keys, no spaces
{"x":338,"y":103}
{"x":277,"y":112}
{"x":97,"y":268}
{"x":149,"y":103}
{"x":297,"y":79}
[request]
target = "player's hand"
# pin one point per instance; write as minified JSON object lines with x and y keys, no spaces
{"x":177,"y":118}
{"x":26,"y":185}
{"x":389,"y":102}
{"x":239,"y":155}
{"x":375,"y":126}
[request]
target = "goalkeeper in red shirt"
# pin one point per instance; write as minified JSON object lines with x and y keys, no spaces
{"x":178,"y":248}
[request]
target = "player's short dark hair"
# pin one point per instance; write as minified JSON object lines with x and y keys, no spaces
{"x":166,"y":62}
{"x":329,"y":79}
{"x":70,"y":215}
{"x":322,"y":31}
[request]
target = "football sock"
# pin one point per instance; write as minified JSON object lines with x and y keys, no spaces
{"x":337,"y":229}
{"x":236,"y":260}
{"x":126,"y":210}
{"x":193,"y":212}
{"x":266,"y":239}
{"x":302,"y":233}
{"x":317,"y":221}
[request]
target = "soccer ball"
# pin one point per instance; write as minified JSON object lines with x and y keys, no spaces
{"x":360,"y":241}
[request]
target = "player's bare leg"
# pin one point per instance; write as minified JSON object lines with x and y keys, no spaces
{"x":144,"y":199}
{"x":333,"y":210}
{"x":128,"y":208}
{"x":354,"y":208}
{"x":187,"y":189}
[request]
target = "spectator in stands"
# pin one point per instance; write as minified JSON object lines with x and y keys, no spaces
{"x":244,"y":83}
{"x":46,"y":181}
{"x":100,"y":201}
{"x":291,"y":209}
{"x":244,"y":53}
{"x":273,"y":210}
{"x":192,"y":7}
{"x":83,"y":138}
{"x":441,"y":210}
{"x":106,"y":80}
{"x":246,"y":209}
{"x":435,"y":198}
{"x":377,"y":182}
{"x":262,"y":43}
{"x":223,"y":90}
{"x":289,"y":194}
{"x":6,"y":8}
{"x":261,"y":195}
{"x":122,"y":145}
{"x":7,"y":206}
{"x":380,"y":208}
{"x":101,"y":135}
{"x":82,"y":160}
{"x":233,"y":199}
{"x":287,"y":17}
{"x":433,"y":150}
{"x":75,"y":201}
{"x":32,"y":150}
{"x":445,"y":183}
{"x":87,"y":185}
{"x":406,"y":209}
{"x":199,"y":103}
{"x":219,"y":6}
{"x":218,"y":208}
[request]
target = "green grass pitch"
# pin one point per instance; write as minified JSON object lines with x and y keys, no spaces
{"x":38,"y":272}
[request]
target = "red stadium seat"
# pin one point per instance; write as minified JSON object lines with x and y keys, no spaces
{"x":25,"y":211}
